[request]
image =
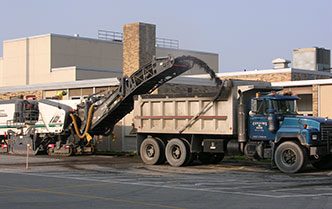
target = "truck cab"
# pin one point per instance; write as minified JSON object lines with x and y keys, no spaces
{"x":290,"y":139}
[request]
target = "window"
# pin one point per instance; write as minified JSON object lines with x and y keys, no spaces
{"x":285,"y":106}
{"x":75,"y":98}
{"x":262,"y":106}
{"x":305,"y":103}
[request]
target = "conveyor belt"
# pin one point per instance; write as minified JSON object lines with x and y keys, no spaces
{"x":143,"y":81}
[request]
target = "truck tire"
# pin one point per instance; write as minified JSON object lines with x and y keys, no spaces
{"x":177,"y":153}
{"x":324,"y":163}
{"x":162,"y":157}
{"x":151,"y":151}
{"x":290,"y":157}
{"x":192,"y":156}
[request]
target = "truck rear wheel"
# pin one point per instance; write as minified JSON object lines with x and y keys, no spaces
{"x":152,"y":151}
{"x":324,"y":163}
{"x":177,"y":153}
{"x":191,"y":156}
{"x":290,"y":157}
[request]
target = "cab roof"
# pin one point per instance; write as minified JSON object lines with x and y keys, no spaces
{"x":280,"y":97}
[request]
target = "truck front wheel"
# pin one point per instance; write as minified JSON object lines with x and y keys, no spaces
{"x":177,"y":153}
{"x":152,"y":151}
{"x":290,"y":157}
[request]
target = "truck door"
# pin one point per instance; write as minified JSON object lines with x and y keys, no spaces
{"x":258,"y":120}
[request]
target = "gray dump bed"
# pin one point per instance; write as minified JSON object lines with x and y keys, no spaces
{"x":158,"y":114}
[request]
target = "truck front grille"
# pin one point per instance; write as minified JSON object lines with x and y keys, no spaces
{"x":326,"y":131}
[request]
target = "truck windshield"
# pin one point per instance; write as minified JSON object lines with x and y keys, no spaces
{"x":285,"y":106}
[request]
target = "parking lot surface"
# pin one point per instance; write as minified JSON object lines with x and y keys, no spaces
{"x":125,"y":182}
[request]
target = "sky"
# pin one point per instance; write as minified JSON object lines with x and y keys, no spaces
{"x":247,"y":34}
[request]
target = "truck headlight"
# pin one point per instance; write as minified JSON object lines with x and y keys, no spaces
{"x":314,"y":137}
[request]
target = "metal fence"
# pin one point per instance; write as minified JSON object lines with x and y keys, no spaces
{"x":167,"y":43}
{"x":110,"y":35}
{"x":117,"y":36}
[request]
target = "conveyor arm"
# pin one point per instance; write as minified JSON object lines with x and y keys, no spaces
{"x":145,"y":80}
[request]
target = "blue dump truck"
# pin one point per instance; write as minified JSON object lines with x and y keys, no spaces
{"x":245,"y":117}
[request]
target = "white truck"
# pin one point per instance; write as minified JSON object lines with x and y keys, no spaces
{"x":30,"y":122}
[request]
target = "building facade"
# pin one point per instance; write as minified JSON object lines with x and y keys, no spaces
{"x":54,"y":58}
{"x":39,"y":67}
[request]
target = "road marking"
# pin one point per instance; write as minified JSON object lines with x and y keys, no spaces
{"x":78,"y":186}
{"x":180,"y":188}
{"x":15,"y":191}
{"x":89,"y":196}
{"x":286,"y":190}
{"x":63,"y":187}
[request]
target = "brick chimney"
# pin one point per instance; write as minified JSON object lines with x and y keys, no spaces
{"x":139,"y":46}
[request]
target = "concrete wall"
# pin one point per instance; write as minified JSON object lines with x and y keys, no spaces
{"x":95,"y":74}
{"x":25,"y":61}
{"x":211,"y":59}
{"x":317,"y":59}
{"x":52,"y":58}
{"x":60,"y":75}
{"x":305,"y":59}
{"x":15,"y":62}
{"x":325,"y":101}
{"x":39,"y":59}
{"x":82,"y":52}
{"x":1,"y":72}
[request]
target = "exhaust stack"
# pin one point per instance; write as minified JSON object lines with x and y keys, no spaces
{"x":241,"y":120}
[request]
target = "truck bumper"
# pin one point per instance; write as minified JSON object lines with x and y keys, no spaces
{"x":323,"y":150}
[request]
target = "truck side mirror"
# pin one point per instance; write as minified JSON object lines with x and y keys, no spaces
{"x":253,"y":110}
{"x":254,"y":106}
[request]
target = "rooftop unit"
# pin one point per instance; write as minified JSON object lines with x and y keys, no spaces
{"x":317,"y":59}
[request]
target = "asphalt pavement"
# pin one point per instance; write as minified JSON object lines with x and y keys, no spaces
{"x":125,"y":182}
